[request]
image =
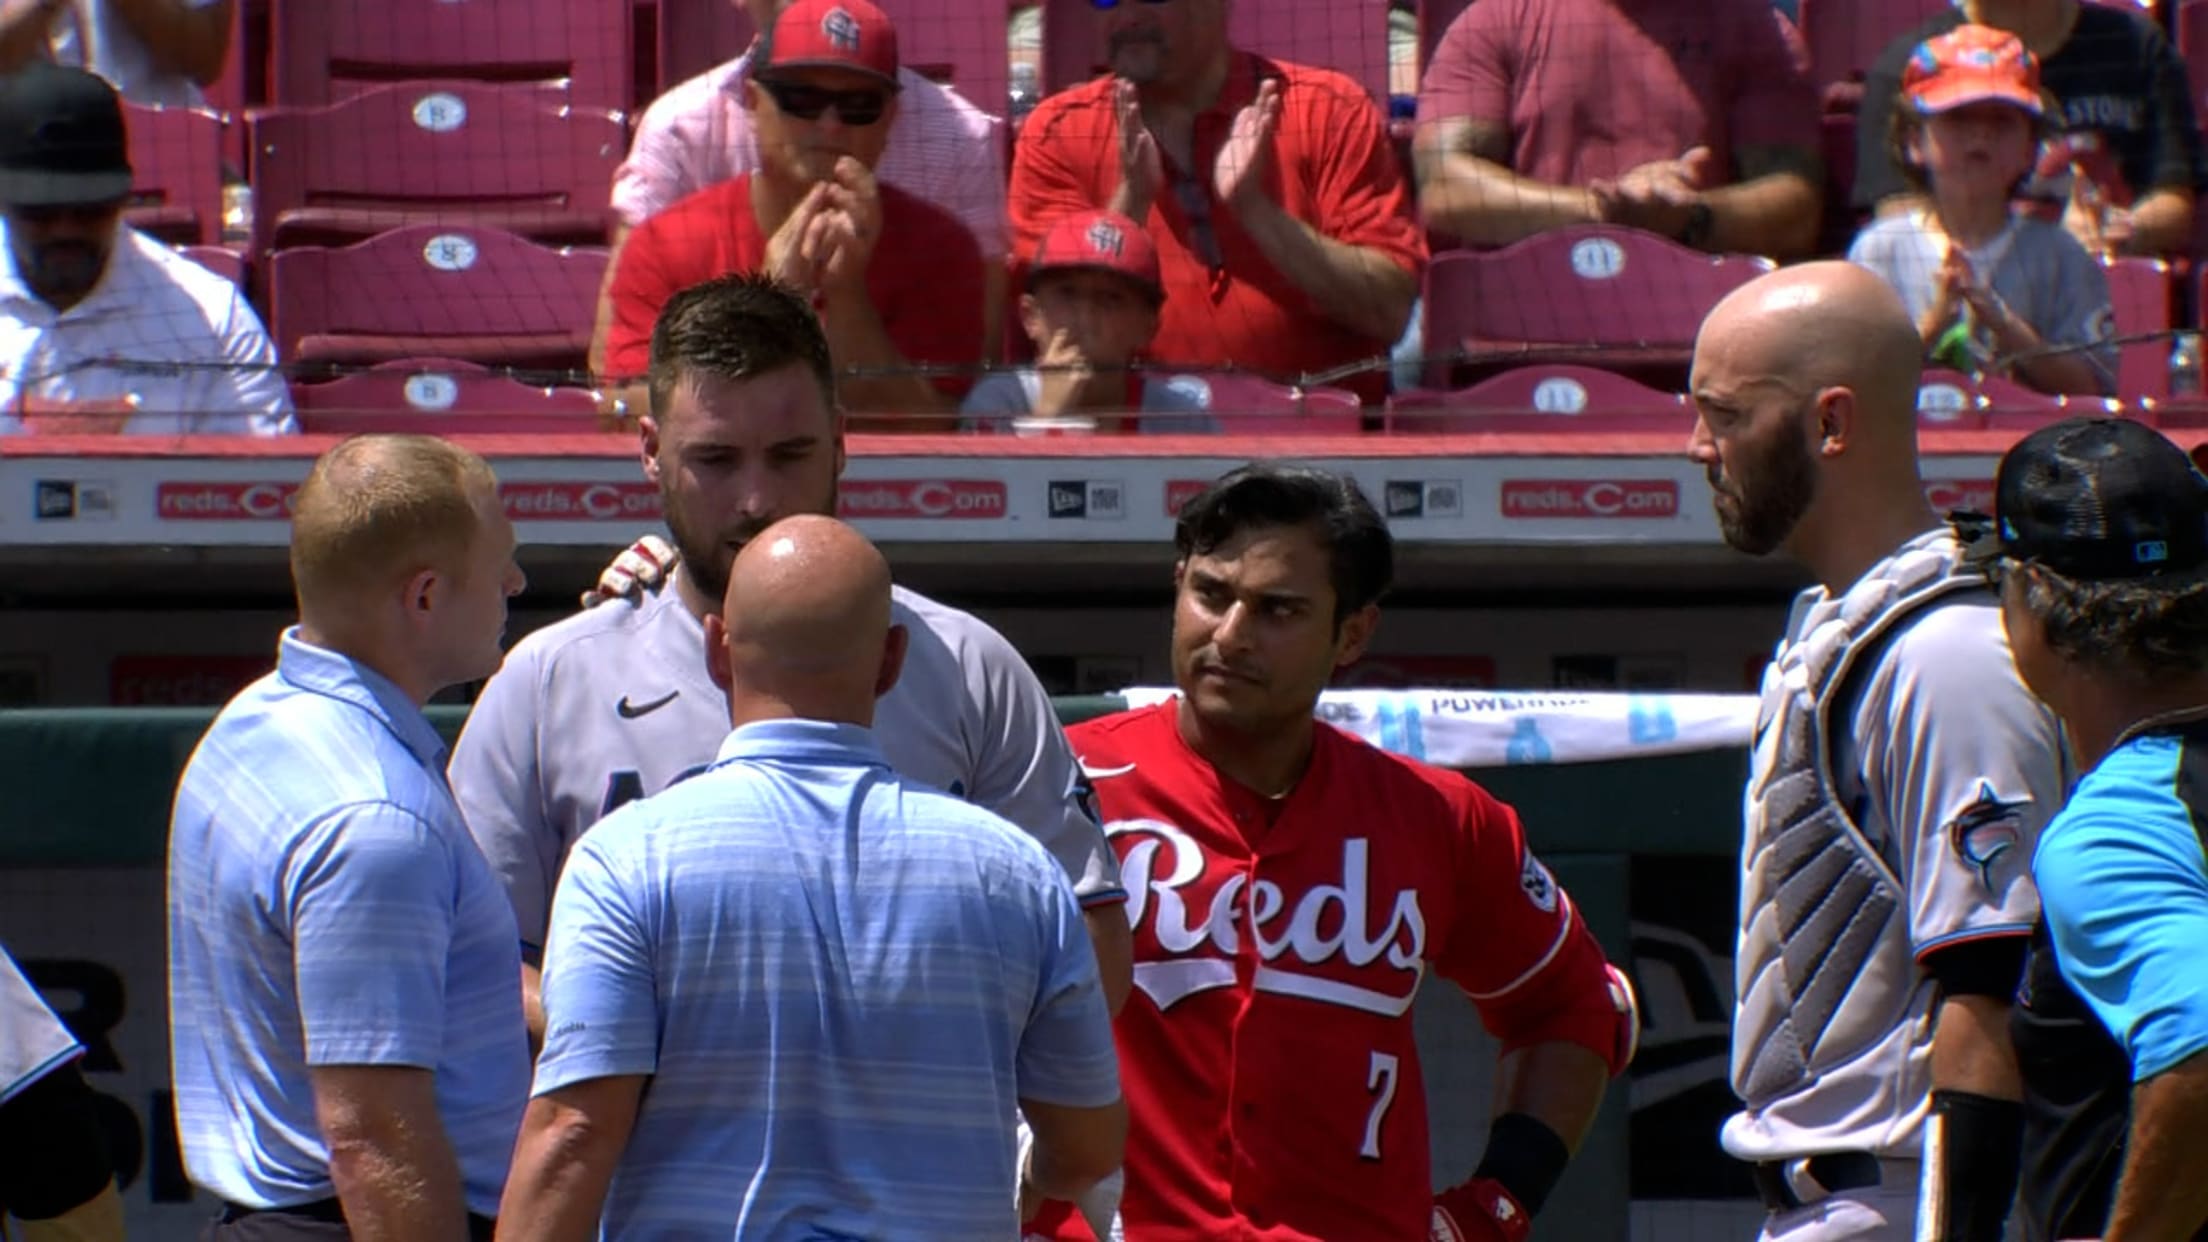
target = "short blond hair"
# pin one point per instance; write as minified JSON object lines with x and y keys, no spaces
{"x":377,"y":509}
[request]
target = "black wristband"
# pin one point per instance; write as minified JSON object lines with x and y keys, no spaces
{"x":1981,"y":1142}
{"x":1526,"y":1157}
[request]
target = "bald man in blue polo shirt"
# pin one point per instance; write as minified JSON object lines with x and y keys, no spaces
{"x":836,"y":982}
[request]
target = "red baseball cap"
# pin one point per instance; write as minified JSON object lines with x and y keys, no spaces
{"x":833,"y":34}
{"x":1971,"y":64}
{"x":1103,"y":241}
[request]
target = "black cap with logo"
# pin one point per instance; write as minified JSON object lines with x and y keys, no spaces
{"x":62,"y":141}
{"x":2101,"y":499}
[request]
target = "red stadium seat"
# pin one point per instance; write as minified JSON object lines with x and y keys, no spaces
{"x":443,"y":291}
{"x":1614,"y":297}
{"x":1349,"y":35}
{"x":1434,"y":18}
{"x":1845,"y":37}
{"x":440,"y":395}
{"x":1250,"y":405}
{"x":511,"y":157}
{"x":176,"y":166}
{"x":324,"y":50}
{"x":221,"y":260}
{"x":1567,"y":399}
{"x":1953,"y":401}
{"x":2140,"y":292}
{"x":962,"y":43}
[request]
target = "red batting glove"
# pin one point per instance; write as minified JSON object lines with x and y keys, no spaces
{"x":1480,"y":1211}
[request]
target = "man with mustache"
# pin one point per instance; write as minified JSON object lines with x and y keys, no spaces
{"x":614,"y":704}
{"x":1901,"y":774}
{"x":1282,"y":222}
{"x":84,"y":296}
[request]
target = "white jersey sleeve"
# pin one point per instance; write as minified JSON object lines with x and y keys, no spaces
{"x":33,"y":1042}
{"x":1962,"y":768}
{"x":1025,"y":770}
{"x":495,"y":778}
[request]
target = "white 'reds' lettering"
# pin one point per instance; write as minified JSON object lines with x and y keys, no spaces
{"x":1164,"y":860}
{"x":1379,"y":1077}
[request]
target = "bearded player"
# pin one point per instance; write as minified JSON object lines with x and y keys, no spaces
{"x":614,"y":704}
{"x":1290,"y":885}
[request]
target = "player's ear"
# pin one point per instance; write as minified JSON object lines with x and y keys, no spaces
{"x":647,"y":437}
{"x":893,"y":660}
{"x":1834,"y":413}
{"x":1354,"y":634}
{"x":421,"y":594}
{"x":716,"y":652}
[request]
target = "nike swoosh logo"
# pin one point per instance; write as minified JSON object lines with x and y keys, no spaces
{"x":630,"y":711}
{"x":1100,"y":773}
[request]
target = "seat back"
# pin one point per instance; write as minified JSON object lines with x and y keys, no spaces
{"x":441,"y":395}
{"x":1349,"y":35}
{"x":1845,"y":37}
{"x":1562,"y":398}
{"x":1434,"y":18}
{"x":221,"y":260}
{"x":1583,"y":292}
{"x":489,"y":293}
{"x":1251,"y":405}
{"x":176,"y":173}
{"x":452,"y":149}
{"x":323,"y":50}
{"x":2139,"y":291}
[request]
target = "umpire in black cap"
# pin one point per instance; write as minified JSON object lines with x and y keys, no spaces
{"x":64,"y":178}
{"x":2100,"y":550}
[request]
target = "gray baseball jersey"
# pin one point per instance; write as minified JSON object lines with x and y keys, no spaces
{"x":1901,"y":776}
{"x":614,"y":704}
{"x":33,"y":1042}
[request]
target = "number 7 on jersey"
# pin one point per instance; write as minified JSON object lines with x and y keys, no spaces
{"x":1380,"y":1077}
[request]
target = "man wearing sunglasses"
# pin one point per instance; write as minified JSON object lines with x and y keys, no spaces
{"x":823,"y":93}
{"x":2100,"y":548}
{"x":1281,"y":219}
{"x":699,"y":133}
{"x":102,"y":328}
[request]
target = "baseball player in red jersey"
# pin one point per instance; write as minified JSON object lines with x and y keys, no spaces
{"x":1290,"y":886}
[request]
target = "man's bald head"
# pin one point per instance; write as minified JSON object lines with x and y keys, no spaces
{"x":806,"y":624}
{"x":1823,"y":325}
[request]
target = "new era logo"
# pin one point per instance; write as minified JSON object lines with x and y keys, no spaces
{"x":1087,"y":499}
{"x":60,"y":500}
{"x":1420,"y":498}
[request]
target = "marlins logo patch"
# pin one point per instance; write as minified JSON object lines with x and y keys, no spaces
{"x":1987,"y":830}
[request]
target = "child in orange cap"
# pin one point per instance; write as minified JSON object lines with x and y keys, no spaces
{"x":1091,"y":307}
{"x":1991,"y":289}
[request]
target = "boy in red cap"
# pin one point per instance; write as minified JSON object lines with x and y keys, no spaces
{"x":898,"y":282}
{"x":1091,"y":307}
{"x":1991,"y":289}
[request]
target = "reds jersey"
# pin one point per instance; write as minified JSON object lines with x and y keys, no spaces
{"x":613,"y":704}
{"x":1267,"y":1053}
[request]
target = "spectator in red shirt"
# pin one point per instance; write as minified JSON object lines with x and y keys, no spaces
{"x":1282,"y":223}
{"x":1694,"y":119}
{"x":898,"y":281}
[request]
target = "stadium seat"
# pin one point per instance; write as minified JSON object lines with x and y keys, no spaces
{"x":1564,"y":399}
{"x":176,"y":166}
{"x":1615,"y":297}
{"x":962,"y":43}
{"x":441,"y":395}
{"x":1434,"y":17}
{"x":444,"y":291}
{"x":221,"y":260}
{"x":1845,"y":37}
{"x":511,"y":157}
{"x":2140,"y":291}
{"x":1349,"y":35}
{"x":1953,"y":401}
{"x":1249,"y":405}
{"x":325,"y":50}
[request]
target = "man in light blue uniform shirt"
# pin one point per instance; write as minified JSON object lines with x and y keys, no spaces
{"x":345,"y":1015}
{"x":838,"y":983}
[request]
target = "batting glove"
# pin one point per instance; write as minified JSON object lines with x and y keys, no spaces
{"x":641,"y":569}
{"x":1480,"y":1211}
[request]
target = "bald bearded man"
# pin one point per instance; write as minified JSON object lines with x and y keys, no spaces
{"x":1900,"y":777}
{"x":837,"y":982}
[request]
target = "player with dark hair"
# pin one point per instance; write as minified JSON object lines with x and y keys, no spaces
{"x":1290,"y":887}
{"x":2101,"y":554}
